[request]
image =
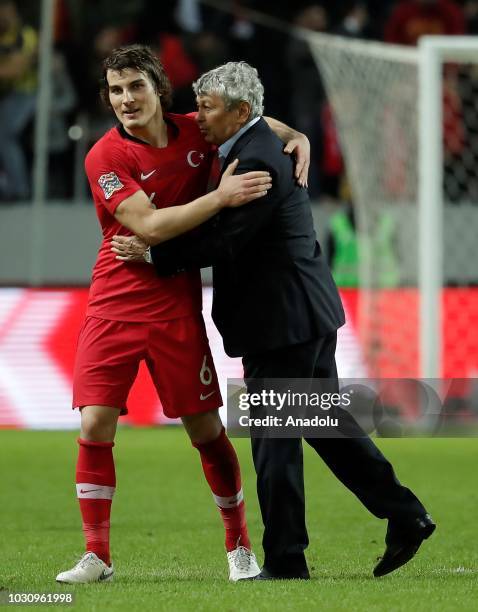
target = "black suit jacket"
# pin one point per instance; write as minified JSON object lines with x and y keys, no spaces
{"x":271,"y":284}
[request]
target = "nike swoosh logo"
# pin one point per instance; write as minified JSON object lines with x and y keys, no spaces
{"x":105,"y":575}
{"x":203,"y":397}
{"x":146,"y":176}
{"x":89,"y":490}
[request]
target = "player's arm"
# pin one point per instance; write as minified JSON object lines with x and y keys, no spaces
{"x":297,"y":144}
{"x":155,"y":226}
{"x":222,"y":238}
{"x":225,"y":237}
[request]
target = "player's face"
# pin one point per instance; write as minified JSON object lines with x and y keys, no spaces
{"x":215,"y":122}
{"x":132,"y":97}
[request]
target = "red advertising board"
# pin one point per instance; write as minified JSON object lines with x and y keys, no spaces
{"x":39,"y":330}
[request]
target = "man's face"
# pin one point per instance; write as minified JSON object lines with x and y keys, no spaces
{"x":132,"y":97}
{"x":215,"y":122}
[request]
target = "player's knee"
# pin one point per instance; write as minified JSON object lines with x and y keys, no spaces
{"x":203,"y":428}
{"x":98,"y":423}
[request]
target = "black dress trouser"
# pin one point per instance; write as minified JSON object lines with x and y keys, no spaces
{"x":354,"y":459}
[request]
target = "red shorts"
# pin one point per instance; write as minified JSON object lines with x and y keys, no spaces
{"x":176,"y":352}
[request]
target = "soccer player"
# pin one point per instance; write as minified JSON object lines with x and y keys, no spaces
{"x":152,"y":160}
{"x":141,"y":173}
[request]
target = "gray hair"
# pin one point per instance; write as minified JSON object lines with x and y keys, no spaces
{"x":234,"y":82}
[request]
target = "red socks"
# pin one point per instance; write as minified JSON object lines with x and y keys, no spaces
{"x":95,"y":486}
{"x":96,"y":481}
{"x":221,"y":468}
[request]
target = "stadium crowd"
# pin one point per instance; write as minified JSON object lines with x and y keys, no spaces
{"x":190,"y":37}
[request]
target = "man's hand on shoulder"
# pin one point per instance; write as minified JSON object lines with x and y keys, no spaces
{"x":296,"y":144}
{"x":299,"y":146}
{"x":238,"y":189}
{"x":130,"y":248}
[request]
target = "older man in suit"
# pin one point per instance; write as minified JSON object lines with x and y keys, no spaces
{"x":276,"y":305}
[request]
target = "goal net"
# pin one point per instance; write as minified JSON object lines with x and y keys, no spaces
{"x":408,"y":130}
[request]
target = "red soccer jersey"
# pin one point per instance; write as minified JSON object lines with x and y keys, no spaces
{"x":118,"y":166}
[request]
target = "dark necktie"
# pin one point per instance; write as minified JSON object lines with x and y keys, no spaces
{"x":215,"y":173}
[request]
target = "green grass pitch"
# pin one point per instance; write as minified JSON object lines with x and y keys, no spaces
{"x":167,"y":538}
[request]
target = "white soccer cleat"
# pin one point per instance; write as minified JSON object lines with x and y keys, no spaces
{"x":242,"y":564}
{"x":88,"y":569}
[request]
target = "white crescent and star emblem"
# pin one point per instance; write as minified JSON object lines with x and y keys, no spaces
{"x":198,"y":157}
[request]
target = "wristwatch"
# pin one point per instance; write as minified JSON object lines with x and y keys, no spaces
{"x":147,"y":256}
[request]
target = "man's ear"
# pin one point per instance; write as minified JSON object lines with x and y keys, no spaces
{"x":244,"y":110}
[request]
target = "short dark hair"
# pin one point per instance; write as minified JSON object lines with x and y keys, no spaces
{"x":139,"y":57}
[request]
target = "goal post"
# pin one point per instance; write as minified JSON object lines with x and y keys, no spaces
{"x":434,"y":52}
{"x":391,"y":104}
{"x":430,"y":207}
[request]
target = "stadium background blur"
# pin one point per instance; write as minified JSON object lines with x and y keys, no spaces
{"x":166,"y":527}
{"x":191,"y":37}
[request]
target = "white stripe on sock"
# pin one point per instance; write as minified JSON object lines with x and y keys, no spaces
{"x":229,"y":502}
{"x":93,"y":491}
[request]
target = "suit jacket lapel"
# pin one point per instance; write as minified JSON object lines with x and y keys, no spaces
{"x":242,"y":142}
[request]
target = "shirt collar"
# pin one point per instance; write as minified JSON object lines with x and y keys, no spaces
{"x":224,"y":150}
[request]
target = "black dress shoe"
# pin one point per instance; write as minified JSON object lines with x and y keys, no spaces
{"x":268,"y":575}
{"x":403,"y":543}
